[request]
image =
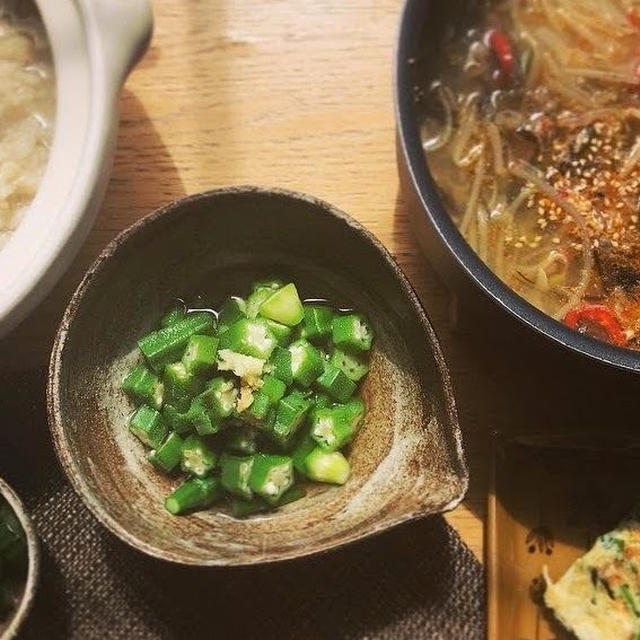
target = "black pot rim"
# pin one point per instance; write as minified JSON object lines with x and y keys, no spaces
{"x":410,"y":153}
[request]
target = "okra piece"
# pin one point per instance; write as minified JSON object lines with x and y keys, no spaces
{"x":317,"y":322}
{"x":259,"y":408}
{"x":231,"y":311}
{"x":306,"y":362}
{"x":241,"y":440}
{"x":290,"y":414}
{"x":201,"y":419}
{"x":273,"y":387}
{"x":176,"y":420}
{"x":284,"y":305}
{"x":271,"y":476}
{"x":220,"y":396}
{"x":143,"y":386}
{"x":174,"y":314}
{"x":200,"y":354}
{"x":255,"y":300}
{"x":325,"y":466}
{"x":335,"y":383}
{"x":250,"y":338}
{"x":280,"y":365}
{"x":166,"y":345}
{"x":299,"y":455}
{"x":196,"y":457}
{"x":168,"y":455}
{"x":235,"y":474}
{"x":180,"y":385}
{"x":351,"y":331}
{"x":195,"y":493}
{"x":334,"y":427}
{"x":148,"y":426}
{"x":321,"y":401}
{"x":241,"y":508}
{"x":280,"y":332}
{"x":355,"y":367}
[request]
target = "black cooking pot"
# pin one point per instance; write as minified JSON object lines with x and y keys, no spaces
{"x":425,"y":24}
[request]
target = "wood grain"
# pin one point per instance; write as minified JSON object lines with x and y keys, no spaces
{"x":291,"y":93}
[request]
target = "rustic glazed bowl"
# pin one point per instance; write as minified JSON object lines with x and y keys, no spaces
{"x":407,"y":460}
{"x":10,"y":626}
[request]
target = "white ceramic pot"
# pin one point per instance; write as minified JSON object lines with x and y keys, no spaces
{"x":95,"y":43}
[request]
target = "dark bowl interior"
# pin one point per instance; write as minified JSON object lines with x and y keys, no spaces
{"x":407,"y":459}
{"x":424,"y":27}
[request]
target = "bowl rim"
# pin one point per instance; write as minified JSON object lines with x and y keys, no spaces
{"x":411,"y":154}
{"x":33,"y":561}
{"x":175,"y":208}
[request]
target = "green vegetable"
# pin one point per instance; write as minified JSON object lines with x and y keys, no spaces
{"x":284,"y":306}
{"x":241,"y":440}
{"x":280,"y":332}
{"x":324,"y":466}
{"x":148,"y":426}
{"x":201,"y":419}
{"x":166,"y":345}
{"x":273,"y":387}
{"x":290,"y":415}
{"x":271,"y":476}
{"x":196,"y":457}
{"x":241,"y":508}
{"x":335,"y":383}
{"x":317,"y":321}
{"x":306,"y":362}
{"x":220,"y":397}
{"x":352,"y":331}
{"x":195,"y":493}
{"x":200,"y":354}
{"x":250,"y":338}
{"x":281,"y":365}
{"x":180,"y":385}
{"x":271,"y":407}
{"x":306,"y":445}
{"x":235,"y":474}
{"x":142,"y":385}
{"x":334,"y":427}
{"x":167,"y":456}
{"x":231,"y":311}
{"x":355,"y":367}
{"x":173,"y":315}
{"x":176,"y":420}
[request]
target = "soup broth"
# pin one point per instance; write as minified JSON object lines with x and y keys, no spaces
{"x":533,"y":137}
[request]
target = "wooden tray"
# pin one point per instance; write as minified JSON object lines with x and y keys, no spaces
{"x":550,"y":497}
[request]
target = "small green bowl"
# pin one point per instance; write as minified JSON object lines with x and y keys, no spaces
{"x":11,"y":624}
{"x":407,"y":459}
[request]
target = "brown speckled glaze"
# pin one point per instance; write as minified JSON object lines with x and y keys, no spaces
{"x":10,"y":626}
{"x":407,"y":459}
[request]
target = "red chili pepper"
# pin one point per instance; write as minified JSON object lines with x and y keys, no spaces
{"x":597,"y":321}
{"x":502,"y":50}
{"x":633,"y":18}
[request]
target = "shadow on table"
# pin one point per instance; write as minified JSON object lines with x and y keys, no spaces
{"x":416,"y":581}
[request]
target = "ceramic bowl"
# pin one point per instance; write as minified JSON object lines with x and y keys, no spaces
{"x":10,"y":626}
{"x":407,"y":459}
{"x":94,"y":43}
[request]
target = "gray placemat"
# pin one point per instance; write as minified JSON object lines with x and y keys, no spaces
{"x":416,"y":581}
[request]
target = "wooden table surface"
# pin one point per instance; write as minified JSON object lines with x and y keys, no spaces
{"x":291,"y":93}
